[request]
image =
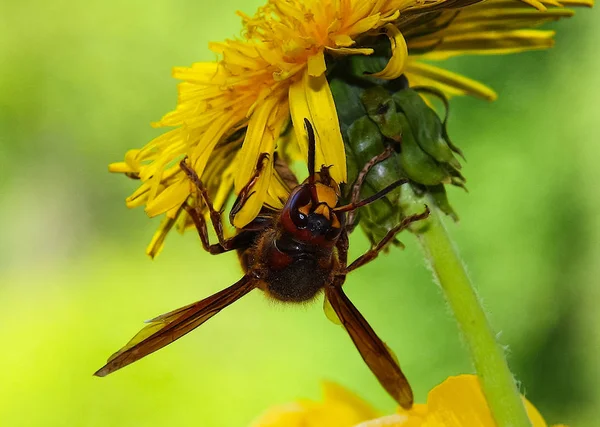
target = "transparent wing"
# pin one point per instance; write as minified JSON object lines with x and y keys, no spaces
{"x":164,"y":329}
{"x":382,"y":362}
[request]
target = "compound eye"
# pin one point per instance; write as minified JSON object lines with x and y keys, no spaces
{"x":299,"y":218}
{"x":299,"y":206}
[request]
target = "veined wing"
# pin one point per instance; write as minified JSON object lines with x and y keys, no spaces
{"x":164,"y":329}
{"x":375,"y":353}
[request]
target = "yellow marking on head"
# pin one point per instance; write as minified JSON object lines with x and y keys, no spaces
{"x":305,"y":209}
{"x":324,"y":210}
{"x":335,"y":222}
{"x":326,"y":194}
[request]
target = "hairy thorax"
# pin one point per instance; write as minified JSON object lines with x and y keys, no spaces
{"x":290,"y":271}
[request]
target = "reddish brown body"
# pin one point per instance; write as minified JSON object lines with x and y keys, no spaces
{"x":295,"y":255}
{"x":292,"y":255}
{"x":288,"y":271}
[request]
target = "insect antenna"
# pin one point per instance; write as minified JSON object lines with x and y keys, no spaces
{"x":371,"y":199}
{"x":311,"y":160}
{"x":311,"y":151}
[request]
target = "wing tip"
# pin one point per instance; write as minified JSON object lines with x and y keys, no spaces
{"x":102,"y":372}
{"x":405,"y":399}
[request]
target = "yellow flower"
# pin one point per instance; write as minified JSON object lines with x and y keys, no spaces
{"x":231,"y":110}
{"x":457,"y":402}
{"x":340,"y":408}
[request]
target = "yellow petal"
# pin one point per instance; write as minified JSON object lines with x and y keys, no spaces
{"x":132,"y":158}
{"x":311,"y":98}
{"x":170,"y":197}
{"x":139,"y":196}
{"x":583,"y":3}
{"x":343,"y":40}
{"x":225,"y":186}
{"x":334,"y":26}
{"x":340,"y":408}
{"x":377,"y":5}
{"x":535,"y":3}
{"x":395,"y":420}
{"x":288,"y":415}
{"x":253,"y":205}
{"x":209,"y":139}
{"x":264,"y":129}
{"x":158,"y":240}
{"x":534,"y":415}
{"x":120,"y":167}
{"x":396,"y":64}
{"x":350,"y":51}
{"x":333,"y":392}
{"x":490,"y":20}
{"x":461,"y":84}
{"x":364,"y":25}
{"x":257,"y":141}
{"x":200,"y":72}
{"x":459,"y":402}
{"x":155,"y":181}
{"x":277,"y":192}
{"x":316,"y":64}
{"x":391,"y":17}
{"x":491,"y":43}
{"x":299,"y":111}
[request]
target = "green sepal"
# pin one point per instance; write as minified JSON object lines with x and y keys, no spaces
{"x":375,"y":114}
{"x":418,"y":165}
{"x":426,"y":126}
{"x":444,"y":100}
{"x":381,"y":108}
{"x":439,"y":196}
{"x":347,"y":101}
{"x":363,"y":65}
{"x":365,"y":142}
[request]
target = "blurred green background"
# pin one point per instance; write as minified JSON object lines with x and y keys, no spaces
{"x":80,"y":83}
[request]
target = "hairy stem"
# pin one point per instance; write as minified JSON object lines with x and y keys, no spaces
{"x":496,"y":380}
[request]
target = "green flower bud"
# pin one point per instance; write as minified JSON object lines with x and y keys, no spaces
{"x":365,"y":142}
{"x":377,"y":114}
{"x":418,"y":165}
{"x":381,"y":108}
{"x":426,"y":125}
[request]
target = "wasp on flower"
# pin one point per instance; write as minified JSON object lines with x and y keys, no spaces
{"x":232,"y":110}
{"x":291,"y":254}
{"x":346,"y":85}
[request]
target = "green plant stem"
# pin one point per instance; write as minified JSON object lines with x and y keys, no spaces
{"x":496,"y":380}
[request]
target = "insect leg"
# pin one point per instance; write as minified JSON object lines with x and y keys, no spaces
{"x":200,"y":223}
{"x":215,"y":216}
{"x":372,"y":253}
{"x":245,"y":192}
{"x":360,"y":179}
{"x":342,"y":247}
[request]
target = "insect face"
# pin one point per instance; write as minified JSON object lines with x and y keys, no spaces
{"x":309,"y":213}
